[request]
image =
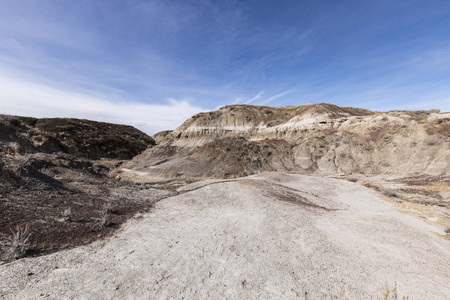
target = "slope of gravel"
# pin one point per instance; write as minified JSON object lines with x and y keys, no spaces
{"x":271,"y":236}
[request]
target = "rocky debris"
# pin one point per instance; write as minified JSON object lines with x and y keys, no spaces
{"x":239,"y":140}
{"x":80,"y":138}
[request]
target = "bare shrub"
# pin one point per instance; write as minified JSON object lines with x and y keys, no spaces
{"x":104,"y":220}
{"x":431,"y":141}
{"x":18,"y":243}
{"x":447,"y":230}
{"x":431,"y":130}
{"x":14,"y":146}
{"x":109,"y":208}
{"x":101,"y":222}
{"x":67,"y":214}
{"x":87,"y":178}
{"x":388,"y":192}
{"x":389,"y":293}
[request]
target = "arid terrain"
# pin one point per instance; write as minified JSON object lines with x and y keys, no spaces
{"x":240,"y":140}
{"x":246,"y":202}
{"x":54,"y":181}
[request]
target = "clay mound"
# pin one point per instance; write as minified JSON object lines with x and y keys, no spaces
{"x":80,"y":138}
{"x":271,"y":236}
{"x":240,"y":140}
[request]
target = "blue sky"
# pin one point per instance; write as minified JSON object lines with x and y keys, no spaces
{"x":152,"y":64}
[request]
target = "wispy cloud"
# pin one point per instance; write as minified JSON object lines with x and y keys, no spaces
{"x":29,"y":99}
{"x":254,"y":98}
{"x":213,"y":53}
{"x":277,"y":96}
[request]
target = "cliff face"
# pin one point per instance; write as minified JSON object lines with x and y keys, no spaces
{"x":240,"y":140}
{"x":80,"y":138}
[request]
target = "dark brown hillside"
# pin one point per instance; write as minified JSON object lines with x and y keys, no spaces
{"x":80,"y":138}
{"x":54,"y":180}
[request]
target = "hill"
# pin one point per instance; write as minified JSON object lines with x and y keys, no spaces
{"x":240,"y":140}
{"x":54,"y":180}
{"x":79,"y":138}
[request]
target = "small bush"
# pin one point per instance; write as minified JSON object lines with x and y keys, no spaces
{"x":105,"y":216}
{"x":389,"y":293}
{"x":431,"y":141}
{"x":67,"y":214}
{"x":431,"y":130}
{"x":14,"y":146}
{"x":109,"y":208}
{"x":18,"y":243}
{"x":388,"y":192}
{"x":102,"y":222}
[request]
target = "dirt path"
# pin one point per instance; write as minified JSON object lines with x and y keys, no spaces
{"x":272,"y":236}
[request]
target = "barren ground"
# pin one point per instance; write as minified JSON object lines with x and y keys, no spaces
{"x":270,"y":236}
{"x":62,"y":201}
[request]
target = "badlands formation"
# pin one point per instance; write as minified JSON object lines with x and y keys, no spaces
{"x":241,"y":140}
{"x":251,"y":202}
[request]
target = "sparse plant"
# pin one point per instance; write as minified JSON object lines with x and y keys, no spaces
{"x":18,"y":243}
{"x":447,"y":230}
{"x":14,"y":146}
{"x":105,"y":216}
{"x":67,"y":214}
{"x":102,"y":222}
{"x":388,"y":192}
{"x":108,"y":208}
{"x":431,"y":130}
{"x":391,"y":293}
{"x":431,"y":140}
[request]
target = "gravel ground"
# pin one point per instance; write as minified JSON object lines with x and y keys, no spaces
{"x":271,"y":236}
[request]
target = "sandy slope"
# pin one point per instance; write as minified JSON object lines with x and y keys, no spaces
{"x":271,"y":236}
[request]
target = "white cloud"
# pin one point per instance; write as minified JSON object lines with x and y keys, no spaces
{"x":270,"y":99}
{"x":20,"y":97}
{"x":255,"y":98}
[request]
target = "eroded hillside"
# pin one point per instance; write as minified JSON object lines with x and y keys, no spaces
{"x":240,"y":140}
{"x":80,"y":138}
{"x":54,"y":182}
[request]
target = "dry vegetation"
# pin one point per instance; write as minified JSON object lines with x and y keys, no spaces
{"x":17,"y":243}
